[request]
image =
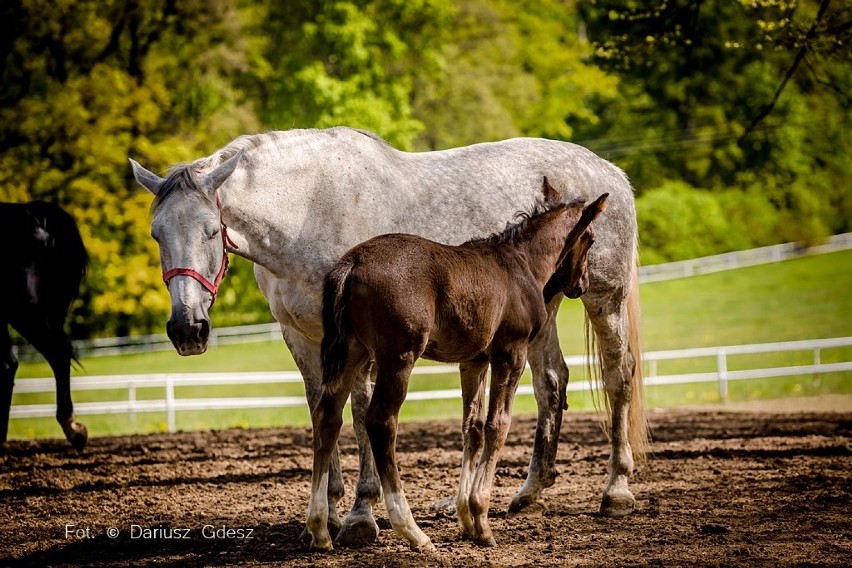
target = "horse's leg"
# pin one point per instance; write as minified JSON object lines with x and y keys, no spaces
{"x":327,"y":419}
{"x":8,"y":368}
{"x":550,"y":377}
{"x":49,"y":338}
{"x":359,"y":526}
{"x":609,"y":319}
{"x":381,"y":421}
{"x":506,"y":367}
{"x":473,"y":423}
{"x":306,"y":353}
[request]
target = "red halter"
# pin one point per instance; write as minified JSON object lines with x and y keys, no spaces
{"x":212,"y":287}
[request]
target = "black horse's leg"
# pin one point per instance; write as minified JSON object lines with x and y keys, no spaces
{"x":52,"y":342}
{"x":8,"y":367}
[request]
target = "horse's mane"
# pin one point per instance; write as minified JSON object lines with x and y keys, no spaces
{"x":179,"y":176}
{"x":521,"y":223}
{"x":183,"y":175}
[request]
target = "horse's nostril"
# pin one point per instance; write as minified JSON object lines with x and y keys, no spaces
{"x":204,"y":331}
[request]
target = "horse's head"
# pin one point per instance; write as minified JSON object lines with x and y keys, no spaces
{"x":572,"y":273}
{"x":189,"y":231}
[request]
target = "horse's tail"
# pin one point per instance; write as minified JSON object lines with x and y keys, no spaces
{"x":335,"y":323}
{"x":637,"y":434}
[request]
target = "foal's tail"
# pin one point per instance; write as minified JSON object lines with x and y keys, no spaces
{"x":335,"y":322}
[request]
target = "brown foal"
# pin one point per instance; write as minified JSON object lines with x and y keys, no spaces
{"x":398,"y":297}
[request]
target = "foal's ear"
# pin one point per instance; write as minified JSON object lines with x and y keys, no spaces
{"x":589,"y":214}
{"x":549,"y":192}
{"x":149,"y":180}
{"x":593,"y":209}
{"x":217,"y":177}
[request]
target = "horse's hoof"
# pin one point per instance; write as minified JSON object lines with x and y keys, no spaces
{"x":447,"y":505}
{"x":357,"y":532}
{"x":487,"y":542}
{"x":526,"y":505}
{"x":617,"y":505}
{"x":322,"y":546}
{"x":305,"y":537}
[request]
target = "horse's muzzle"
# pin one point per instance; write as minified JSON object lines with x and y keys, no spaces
{"x":189,"y":338}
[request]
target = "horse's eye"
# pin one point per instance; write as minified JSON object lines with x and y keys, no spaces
{"x":212,"y":232}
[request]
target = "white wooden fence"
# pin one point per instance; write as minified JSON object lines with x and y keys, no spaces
{"x":171,"y":404}
{"x":272,"y":332}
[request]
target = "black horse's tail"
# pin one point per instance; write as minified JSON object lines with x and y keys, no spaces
{"x":335,"y":323}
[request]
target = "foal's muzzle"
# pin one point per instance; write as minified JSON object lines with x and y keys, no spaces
{"x":189,"y":338}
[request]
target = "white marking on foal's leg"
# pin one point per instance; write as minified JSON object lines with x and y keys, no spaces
{"x":463,"y":498}
{"x":403,"y":522}
{"x":318,"y":513}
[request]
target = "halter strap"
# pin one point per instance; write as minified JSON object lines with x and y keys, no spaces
{"x":212,"y":287}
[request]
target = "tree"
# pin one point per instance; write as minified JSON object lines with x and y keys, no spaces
{"x":715,"y":93}
{"x":86,"y":84}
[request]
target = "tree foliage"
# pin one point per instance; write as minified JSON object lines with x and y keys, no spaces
{"x":730,"y":116}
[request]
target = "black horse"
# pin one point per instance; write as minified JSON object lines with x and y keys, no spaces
{"x":45,"y":261}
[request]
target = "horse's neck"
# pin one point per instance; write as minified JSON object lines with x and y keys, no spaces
{"x":256,"y":218}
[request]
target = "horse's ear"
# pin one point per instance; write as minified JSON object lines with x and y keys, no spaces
{"x":149,"y":180}
{"x":550,"y":193}
{"x":217,"y":177}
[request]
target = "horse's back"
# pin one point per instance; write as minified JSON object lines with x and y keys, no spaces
{"x":49,"y":261}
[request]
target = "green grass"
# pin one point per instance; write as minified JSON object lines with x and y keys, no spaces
{"x":806,"y":298}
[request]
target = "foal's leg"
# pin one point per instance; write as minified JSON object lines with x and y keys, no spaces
{"x":306,"y":353}
{"x":507,"y":365}
{"x":49,"y":338}
{"x":381,"y":421}
{"x":473,"y":424}
{"x":550,"y":378}
{"x":610,"y":322}
{"x":8,"y":367}
{"x":359,"y":527}
{"x":327,"y":419}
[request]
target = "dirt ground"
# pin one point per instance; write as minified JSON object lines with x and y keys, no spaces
{"x":722,"y":488}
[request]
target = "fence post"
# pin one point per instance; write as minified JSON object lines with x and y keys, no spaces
{"x":131,"y":396}
{"x":817,"y":363}
{"x":170,"y":403}
{"x":652,"y":368}
{"x":722,"y":365}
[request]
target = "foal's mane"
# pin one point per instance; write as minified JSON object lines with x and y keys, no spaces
{"x":523,"y":220}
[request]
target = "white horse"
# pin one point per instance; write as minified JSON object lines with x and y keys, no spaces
{"x":293,"y":202}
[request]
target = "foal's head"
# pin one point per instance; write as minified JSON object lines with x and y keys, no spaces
{"x":572,"y":273}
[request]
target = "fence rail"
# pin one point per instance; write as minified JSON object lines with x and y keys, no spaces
{"x":272,"y":332}
{"x":171,"y":404}
{"x":739,"y":259}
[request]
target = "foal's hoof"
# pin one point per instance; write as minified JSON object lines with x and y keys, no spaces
{"x":617,"y":505}
{"x":526,"y":505}
{"x":487,"y":542}
{"x":79,"y":438}
{"x":423,"y":547}
{"x":355,"y":532}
